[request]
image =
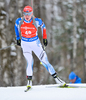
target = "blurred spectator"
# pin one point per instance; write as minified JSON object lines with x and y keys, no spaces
{"x":74,"y":78}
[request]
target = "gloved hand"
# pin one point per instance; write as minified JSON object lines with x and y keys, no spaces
{"x":19,"y":42}
{"x":45,"y":42}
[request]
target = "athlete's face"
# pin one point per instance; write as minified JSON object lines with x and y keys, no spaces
{"x":28,"y":17}
{"x":73,"y":80}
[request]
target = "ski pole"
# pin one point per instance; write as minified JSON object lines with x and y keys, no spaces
{"x":7,"y":47}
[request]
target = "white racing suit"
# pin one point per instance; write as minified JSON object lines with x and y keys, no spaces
{"x":36,"y":47}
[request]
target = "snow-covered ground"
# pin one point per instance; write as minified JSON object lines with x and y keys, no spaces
{"x":41,"y":92}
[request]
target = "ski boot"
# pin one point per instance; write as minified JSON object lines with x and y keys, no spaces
{"x":29,"y":83}
{"x":59,"y":81}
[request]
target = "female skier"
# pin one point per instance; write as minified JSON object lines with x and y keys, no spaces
{"x":29,"y":42}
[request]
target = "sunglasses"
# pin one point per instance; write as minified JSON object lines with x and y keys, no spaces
{"x":27,"y":13}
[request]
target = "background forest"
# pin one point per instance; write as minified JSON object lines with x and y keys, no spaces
{"x":65,"y":22}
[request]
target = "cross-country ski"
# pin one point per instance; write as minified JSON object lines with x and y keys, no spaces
{"x":28,"y":88}
{"x":68,"y":86}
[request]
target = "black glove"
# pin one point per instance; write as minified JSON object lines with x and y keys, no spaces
{"x":19,"y":42}
{"x":45,"y":42}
